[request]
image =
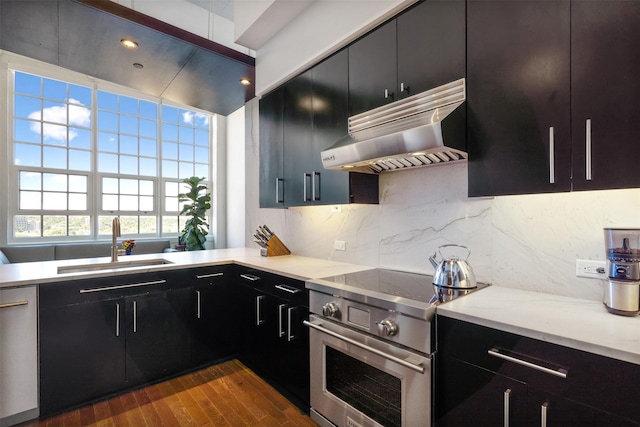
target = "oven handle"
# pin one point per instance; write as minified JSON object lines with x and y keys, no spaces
{"x":417,"y":368}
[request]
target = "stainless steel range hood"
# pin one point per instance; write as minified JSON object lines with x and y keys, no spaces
{"x":404,"y":134}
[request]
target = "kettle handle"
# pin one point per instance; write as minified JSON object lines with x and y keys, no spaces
{"x":453,"y":244}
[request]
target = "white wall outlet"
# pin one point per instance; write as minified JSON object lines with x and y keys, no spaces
{"x":591,"y":269}
{"x":340,"y":245}
{"x":336,"y":209}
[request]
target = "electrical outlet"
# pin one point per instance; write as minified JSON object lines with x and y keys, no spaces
{"x":591,"y":269}
{"x":336,"y":209}
{"x":340,"y":245}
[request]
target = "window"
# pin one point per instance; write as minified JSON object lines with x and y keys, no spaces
{"x":82,"y":155}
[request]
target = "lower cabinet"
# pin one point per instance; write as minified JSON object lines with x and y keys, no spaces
{"x":481,"y":380}
{"x":275,"y":342}
{"x":18,"y":355}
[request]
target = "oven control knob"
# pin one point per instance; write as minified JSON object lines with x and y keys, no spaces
{"x":387,"y":328}
{"x":331,"y":309}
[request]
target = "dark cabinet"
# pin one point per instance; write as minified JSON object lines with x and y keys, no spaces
{"x":518,"y":98}
{"x":297,"y":121}
{"x":271,"y":173}
{"x":605,"y":65}
{"x":82,"y":353}
{"x":489,"y":376}
{"x":214,"y":315}
{"x":99,"y":336}
{"x":157,"y":334}
{"x":275,"y":342}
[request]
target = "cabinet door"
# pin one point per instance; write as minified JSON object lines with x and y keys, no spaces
{"x":330,"y":114}
{"x":157,"y":334}
{"x":431,"y":46}
{"x":469,"y":395}
{"x":518,"y":105}
{"x":373,"y":69}
{"x":82,"y":353}
{"x":258,"y":331}
{"x":605,"y":56}
{"x":18,"y":351}
{"x":298,"y":154}
{"x":271,"y":172}
{"x":215,"y":320}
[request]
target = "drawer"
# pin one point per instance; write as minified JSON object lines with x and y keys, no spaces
{"x":292,"y":290}
{"x":594,"y":380}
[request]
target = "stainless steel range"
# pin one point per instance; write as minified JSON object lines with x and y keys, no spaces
{"x":372,"y":341}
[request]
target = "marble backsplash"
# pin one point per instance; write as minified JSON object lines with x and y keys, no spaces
{"x":527,"y":242}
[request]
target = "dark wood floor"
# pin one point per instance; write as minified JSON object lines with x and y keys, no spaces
{"x":228,"y":394}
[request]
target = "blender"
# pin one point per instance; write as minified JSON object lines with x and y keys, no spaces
{"x":622,"y":292}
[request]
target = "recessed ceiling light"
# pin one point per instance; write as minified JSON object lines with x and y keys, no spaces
{"x":245,"y":81}
{"x":129,"y":43}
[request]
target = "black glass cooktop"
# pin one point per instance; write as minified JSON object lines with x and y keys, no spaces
{"x":391,"y":283}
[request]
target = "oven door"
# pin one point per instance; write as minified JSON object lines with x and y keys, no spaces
{"x":360,"y":381}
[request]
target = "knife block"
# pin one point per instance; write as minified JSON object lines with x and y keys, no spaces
{"x":275,"y":247}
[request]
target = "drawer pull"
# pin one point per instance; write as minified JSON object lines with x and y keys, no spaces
{"x":14,"y":304}
{"x":206,"y":276}
{"x":555,"y":372}
{"x":250,"y":277}
{"x":543,"y":414}
{"x":289,"y":289}
{"x":131,"y":285}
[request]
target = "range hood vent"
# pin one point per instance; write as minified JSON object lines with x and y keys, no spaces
{"x":401,"y":135}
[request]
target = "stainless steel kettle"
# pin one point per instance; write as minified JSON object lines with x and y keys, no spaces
{"x":453,"y":272}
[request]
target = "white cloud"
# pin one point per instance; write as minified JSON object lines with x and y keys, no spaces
{"x":193,"y":118}
{"x":79,"y":115}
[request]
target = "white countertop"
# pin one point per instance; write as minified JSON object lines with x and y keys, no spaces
{"x":582,"y":324}
{"x":296,"y":267}
{"x":576,"y":323}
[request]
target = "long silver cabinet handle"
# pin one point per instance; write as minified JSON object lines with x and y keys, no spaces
{"x":135,"y":317}
{"x":286,"y":288}
{"x":259,"y":321}
{"x":314,"y":196}
{"x":304,"y":186}
{"x":130,"y":285}
{"x":14,"y":304}
{"x":543,"y":414}
{"x":281,"y":331}
{"x":206,"y":276}
{"x":555,"y":372}
{"x":507,"y":399}
{"x":198,"y":306}
{"x":552,"y":157}
{"x":588,"y":150}
{"x":290,"y":336}
{"x":117,"y":319}
{"x":250,"y":277}
{"x":417,"y":368}
{"x":278,"y":198}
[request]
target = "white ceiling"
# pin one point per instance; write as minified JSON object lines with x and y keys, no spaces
{"x":223,"y":8}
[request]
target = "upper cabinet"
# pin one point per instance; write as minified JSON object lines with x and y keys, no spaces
{"x":297,"y":121}
{"x":420,"y":49}
{"x":552,"y":96}
{"x":518,"y":100}
{"x":605,"y":89}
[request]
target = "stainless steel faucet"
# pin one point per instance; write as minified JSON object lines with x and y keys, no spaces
{"x":115,"y":233}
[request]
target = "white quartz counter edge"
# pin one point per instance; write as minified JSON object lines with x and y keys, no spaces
{"x":581,"y":324}
{"x":296,"y":267}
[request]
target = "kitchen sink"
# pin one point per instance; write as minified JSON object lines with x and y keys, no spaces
{"x":111,"y":265}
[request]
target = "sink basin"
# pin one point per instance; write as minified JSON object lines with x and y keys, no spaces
{"x":111,"y":265}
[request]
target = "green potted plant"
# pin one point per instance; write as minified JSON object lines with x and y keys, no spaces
{"x":195,"y":231}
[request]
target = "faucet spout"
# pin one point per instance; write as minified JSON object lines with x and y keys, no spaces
{"x":115,"y":233}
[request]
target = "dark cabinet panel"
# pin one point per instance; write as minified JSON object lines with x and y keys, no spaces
{"x":470,"y":395}
{"x":373,"y":69}
{"x":271,"y":173}
{"x":518,"y":100}
{"x":157,"y":335}
{"x":82,"y":353}
{"x":431,"y":46}
{"x":605,"y":57}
